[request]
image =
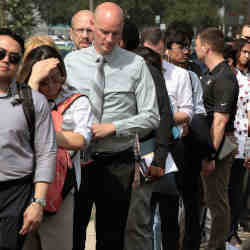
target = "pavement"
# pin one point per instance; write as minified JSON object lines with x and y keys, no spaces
{"x":90,"y":243}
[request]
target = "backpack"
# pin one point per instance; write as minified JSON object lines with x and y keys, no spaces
{"x":65,"y":176}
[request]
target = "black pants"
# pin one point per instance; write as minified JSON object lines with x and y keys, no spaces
{"x":191,"y":190}
{"x":107,"y":183}
{"x":139,"y":228}
{"x":14,"y":198}
{"x":169,"y":209}
{"x":236,"y":190}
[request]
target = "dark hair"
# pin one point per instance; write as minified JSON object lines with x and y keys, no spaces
{"x":130,"y":35}
{"x":214,"y":38}
{"x":38,"y":54}
{"x":229,"y":52}
{"x":152,"y":35}
{"x":182,"y":27}
{"x":150,"y":56}
{"x":237,"y":46}
{"x":14,"y":36}
{"x":175,"y":36}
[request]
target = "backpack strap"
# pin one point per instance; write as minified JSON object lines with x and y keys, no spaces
{"x":63,"y":106}
{"x":25,"y":94}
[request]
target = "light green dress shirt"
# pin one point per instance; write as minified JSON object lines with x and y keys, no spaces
{"x":129,"y":95}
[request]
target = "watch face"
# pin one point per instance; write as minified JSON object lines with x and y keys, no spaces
{"x":42,"y":202}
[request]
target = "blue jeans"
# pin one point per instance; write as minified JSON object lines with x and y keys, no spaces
{"x":157,"y":229}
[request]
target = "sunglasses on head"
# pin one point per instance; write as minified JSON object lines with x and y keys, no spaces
{"x":14,"y":57}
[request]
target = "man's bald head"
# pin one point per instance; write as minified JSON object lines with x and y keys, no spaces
{"x":82,"y":25}
{"x":108,"y":27}
{"x":109,"y":10}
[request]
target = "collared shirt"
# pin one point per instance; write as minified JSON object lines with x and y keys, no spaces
{"x":77,"y":118}
{"x":180,"y":93}
{"x":129,"y":96}
{"x":197,"y":91}
{"x":179,"y":88}
{"x":243,"y":107}
{"x":220,"y":93}
{"x":17,"y":158}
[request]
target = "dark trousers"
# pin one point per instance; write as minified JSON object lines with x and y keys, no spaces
{"x":107,"y":183}
{"x":15,"y":197}
{"x":236,"y":190}
{"x":169,"y":209}
{"x":139,"y":228}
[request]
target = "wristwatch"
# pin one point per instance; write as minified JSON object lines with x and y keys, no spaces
{"x":40,"y":201}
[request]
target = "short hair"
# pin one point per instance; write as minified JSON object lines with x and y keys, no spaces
{"x":175,"y":36}
{"x":214,"y":38}
{"x":37,"y":54}
{"x":152,"y":35}
{"x":130,"y":35}
{"x":182,"y":27}
{"x":14,"y":36}
{"x":151,"y":57}
{"x":36,"y":41}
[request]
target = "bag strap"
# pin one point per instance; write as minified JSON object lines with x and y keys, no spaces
{"x":63,"y":106}
{"x":25,"y":94}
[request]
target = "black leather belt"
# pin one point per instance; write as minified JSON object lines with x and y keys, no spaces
{"x":107,"y":155}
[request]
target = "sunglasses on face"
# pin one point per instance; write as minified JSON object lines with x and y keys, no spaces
{"x":14,"y":57}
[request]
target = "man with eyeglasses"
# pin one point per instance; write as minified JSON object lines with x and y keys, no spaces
{"x":81,"y":31}
{"x":245,"y":32}
{"x":27,"y":167}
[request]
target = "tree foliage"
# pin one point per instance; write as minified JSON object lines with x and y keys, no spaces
{"x":21,"y":16}
{"x":199,"y":13}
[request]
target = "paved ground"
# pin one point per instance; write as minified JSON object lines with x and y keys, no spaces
{"x":90,"y":244}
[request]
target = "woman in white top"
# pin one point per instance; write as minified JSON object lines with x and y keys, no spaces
{"x":241,"y":50}
{"x":43,"y":69}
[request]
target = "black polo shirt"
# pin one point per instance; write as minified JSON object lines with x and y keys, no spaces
{"x":220,"y":94}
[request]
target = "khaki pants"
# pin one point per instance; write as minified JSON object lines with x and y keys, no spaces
{"x":55,"y":231}
{"x":216,"y":195}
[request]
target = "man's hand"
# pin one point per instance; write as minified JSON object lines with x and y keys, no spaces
{"x":207,"y":167}
{"x":102,"y":130}
{"x":32,"y":218}
{"x":155,"y":172}
{"x":247,"y":163}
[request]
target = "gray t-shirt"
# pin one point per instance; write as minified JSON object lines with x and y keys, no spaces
{"x":17,"y":158}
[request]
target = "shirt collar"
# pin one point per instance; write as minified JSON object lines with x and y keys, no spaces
{"x":218,"y":68}
{"x":108,"y":57}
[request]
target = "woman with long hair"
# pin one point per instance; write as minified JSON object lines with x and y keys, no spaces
{"x":43,"y":69}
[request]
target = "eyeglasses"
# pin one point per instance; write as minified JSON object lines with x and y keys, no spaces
{"x":14,"y":57}
{"x":52,"y":80}
{"x":81,"y":31}
{"x":182,"y":47}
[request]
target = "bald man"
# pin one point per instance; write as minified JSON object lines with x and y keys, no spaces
{"x":127,"y":106}
{"x":81,"y":31}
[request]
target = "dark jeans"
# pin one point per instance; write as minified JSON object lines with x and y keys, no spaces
{"x":107,"y":183}
{"x":237,"y":187}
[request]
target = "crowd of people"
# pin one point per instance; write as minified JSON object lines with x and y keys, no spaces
{"x":83,"y":127}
